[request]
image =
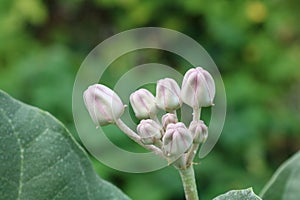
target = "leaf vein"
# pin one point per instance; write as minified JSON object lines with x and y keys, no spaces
{"x":85,"y":181}
{"x":34,"y":140}
{"x":21,"y":152}
{"x":48,"y":168}
{"x":60,"y":191}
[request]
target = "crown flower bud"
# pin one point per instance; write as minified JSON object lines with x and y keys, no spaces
{"x":198,"y":88}
{"x":103,"y":104}
{"x":150,"y":131}
{"x":168,"y":118}
{"x":143,"y":104}
{"x":168,"y":94}
{"x":176,"y":140}
{"x":199,"y":131}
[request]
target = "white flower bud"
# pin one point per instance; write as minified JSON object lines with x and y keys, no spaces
{"x":103,"y":104}
{"x":168,"y":118}
{"x":168,"y":94}
{"x":199,"y":131}
{"x":198,"y":88}
{"x":143,"y":103}
{"x":176,"y":140}
{"x":150,"y":131}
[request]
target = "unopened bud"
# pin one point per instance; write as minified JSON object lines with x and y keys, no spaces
{"x":199,"y":131}
{"x":168,"y":94}
{"x":143,"y":103}
{"x":103,"y":104}
{"x":176,"y":140}
{"x":198,"y":88}
{"x":150,"y":131}
{"x":168,"y":118}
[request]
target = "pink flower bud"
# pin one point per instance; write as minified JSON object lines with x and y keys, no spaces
{"x":149,"y":130}
{"x":168,"y":118}
{"x":168,"y":94}
{"x":103,"y":104}
{"x":176,"y":140}
{"x":198,"y":88}
{"x":199,"y":131}
{"x":143,"y":103}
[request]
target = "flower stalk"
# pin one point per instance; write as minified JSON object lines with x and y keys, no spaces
{"x":135,"y":137}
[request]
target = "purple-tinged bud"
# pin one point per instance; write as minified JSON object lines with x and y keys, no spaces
{"x":176,"y":140}
{"x":198,"y":88}
{"x":199,"y":131}
{"x":103,"y":104}
{"x":143,"y":104}
{"x":168,"y":118}
{"x":150,"y":131}
{"x":168,"y":94}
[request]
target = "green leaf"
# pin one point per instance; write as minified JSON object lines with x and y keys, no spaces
{"x":246,"y":194}
{"x":39,"y":159}
{"x":284,"y":185}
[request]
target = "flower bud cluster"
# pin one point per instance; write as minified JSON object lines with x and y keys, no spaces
{"x":197,"y":90}
{"x":170,"y":135}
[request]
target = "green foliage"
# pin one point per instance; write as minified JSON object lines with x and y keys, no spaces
{"x":246,"y":194}
{"x":285,"y":182}
{"x":255,"y":44}
{"x":40,"y":159}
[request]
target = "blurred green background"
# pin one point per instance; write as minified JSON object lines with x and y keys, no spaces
{"x":255,"y":44}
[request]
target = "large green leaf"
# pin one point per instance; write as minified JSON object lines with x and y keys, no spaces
{"x":246,"y":194}
{"x":39,"y":159}
{"x":284,"y":185}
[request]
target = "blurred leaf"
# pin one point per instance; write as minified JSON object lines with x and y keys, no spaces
{"x":40,"y":159}
{"x":285,"y":182}
{"x":246,"y":194}
{"x":44,"y":78}
{"x":33,"y":10}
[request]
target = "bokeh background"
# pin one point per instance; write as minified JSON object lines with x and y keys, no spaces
{"x":255,"y":44}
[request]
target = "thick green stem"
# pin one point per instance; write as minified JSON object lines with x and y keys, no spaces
{"x":189,"y":183}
